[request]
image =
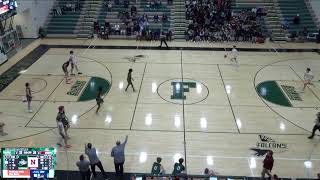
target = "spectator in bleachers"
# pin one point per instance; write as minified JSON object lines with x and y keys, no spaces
{"x":68,"y":7}
{"x":73,"y":7}
{"x":164,"y":18}
{"x":78,"y":5}
{"x":102,"y":32}
{"x":214,"y":21}
{"x":285,"y":24}
{"x":54,"y":11}
{"x":293,"y":35}
{"x":157,"y":3}
{"x":96,"y":27}
{"x":134,"y":17}
{"x":152,"y":4}
{"x":116,"y":29}
{"x":169,"y":35}
{"x":123,"y":28}
{"x":304,"y":34}
{"x":109,"y":6}
{"x":145,"y":17}
{"x":129,"y":29}
{"x":156,"y":18}
{"x":170,"y":2}
{"x":126,"y":4}
{"x":261,"y":11}
{"x":296,"y":19}
{"x":254,"y":10}
{"x":42,"y":32}
{"x":133,"y":10}
{"x":57,"y":10}
{"x":157,"y":168}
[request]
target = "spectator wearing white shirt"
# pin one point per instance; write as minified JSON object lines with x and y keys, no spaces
{"x":308,"y":77}
{"x":117,"y":29}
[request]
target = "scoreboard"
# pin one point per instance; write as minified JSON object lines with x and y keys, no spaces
{"x":27,"y":162}
{"x":7,"y":5}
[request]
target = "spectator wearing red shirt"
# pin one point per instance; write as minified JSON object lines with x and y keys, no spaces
{"x":267,"y":165}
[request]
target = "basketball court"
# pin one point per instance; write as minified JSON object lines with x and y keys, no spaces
{"x":188,"y":103}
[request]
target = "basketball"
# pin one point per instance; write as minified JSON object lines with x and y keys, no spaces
{"x":225,"y":56}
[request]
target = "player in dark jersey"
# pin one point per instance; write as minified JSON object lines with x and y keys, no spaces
{"x":99,"y":98}
{"x":28,"y":97}
{"x":130,"y":79}
{"x":65,"y":71}
{"x":163,"y":38}
{"x":178,"y":167}
{"x":157,"y":168}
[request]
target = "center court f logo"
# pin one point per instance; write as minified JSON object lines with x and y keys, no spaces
{"x":179,"y":88}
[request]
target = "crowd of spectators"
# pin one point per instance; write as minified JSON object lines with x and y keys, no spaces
{"x":133,"y":23}
{"x":214,"y":21}
{"x":71,"y":6}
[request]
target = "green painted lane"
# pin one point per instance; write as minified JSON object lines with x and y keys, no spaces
{"x":270,"y":91}
{"x":90,"y":92}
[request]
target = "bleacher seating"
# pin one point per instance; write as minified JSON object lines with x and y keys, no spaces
{"x":73,"y":24}
{"x":240,"y":5}
{"x":290,"y":8}
{"x":113,"y":15}
{"x":271,"y":24}
{"x":63,"y":24}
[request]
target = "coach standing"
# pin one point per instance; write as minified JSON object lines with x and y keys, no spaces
{"x":118,"y":155}
{"x":91,"y":152}
{"x":84,"y":169}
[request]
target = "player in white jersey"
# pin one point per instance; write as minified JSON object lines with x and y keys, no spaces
{"x":62,"y":135}
{"x":233,"y":56}
{"x":308,"y":77}
{"x":73,"y":62}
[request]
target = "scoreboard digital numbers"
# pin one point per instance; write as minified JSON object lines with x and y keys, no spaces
{"x":27,"y":162}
